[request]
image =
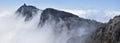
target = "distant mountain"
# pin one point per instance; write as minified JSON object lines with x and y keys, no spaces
{"x":70,"y":20}
{"x":27,"y":11}
{"x":61,"y":21}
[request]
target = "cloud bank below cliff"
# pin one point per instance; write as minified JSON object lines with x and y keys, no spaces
{"x":98,"y":15}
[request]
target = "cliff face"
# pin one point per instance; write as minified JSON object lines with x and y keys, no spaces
{"x":50,"y":15}
{"x":113,"y":30}
{"x":64,"y":22}
{"x":27,"y":11}
{"x":68,"y":20}
{"x":77,"y":29}
{"x":109,"y":32}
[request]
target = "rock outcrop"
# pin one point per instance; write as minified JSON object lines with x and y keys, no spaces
{"x":69,"y":20}
{"x":27,"y":11}
{"x":109,"y":32}
{"x":61,"y":21}
{"x":112,"y":33}
{"x":64,"y":22}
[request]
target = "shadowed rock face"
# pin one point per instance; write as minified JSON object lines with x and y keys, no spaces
{"x":27,"y":11}
{"x":62,"y":21}
{"x":57,"y":15}
{"x":108,"y":33}
{"x":70,"y":20}
{"x":113,"y":30}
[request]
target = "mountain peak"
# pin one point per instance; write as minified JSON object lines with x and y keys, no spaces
{"x":24,"y":4}
{"x":58,"y":13}
{"x":69,"y":20}
{"x":27,"y":11}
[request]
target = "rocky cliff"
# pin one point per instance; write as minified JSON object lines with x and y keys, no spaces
{"x":108,"y":33}
{"x":61,"y":21}
{"x":27,"y":11}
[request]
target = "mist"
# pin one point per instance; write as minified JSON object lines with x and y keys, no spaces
{"x":13,"y":29}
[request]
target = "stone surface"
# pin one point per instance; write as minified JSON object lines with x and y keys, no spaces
{"x":62,"y":21}
{"x":27,"y":11}
{"x":109,"y":32}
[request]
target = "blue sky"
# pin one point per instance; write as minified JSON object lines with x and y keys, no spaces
{"x":100,"y":10}
{"x":65,"y":4}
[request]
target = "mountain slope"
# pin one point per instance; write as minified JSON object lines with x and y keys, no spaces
{"x":64,"y":22}
{"x":69,"y":19}
{"x":110,"y":32}
{"x":27,"y":11}
{"x":69,"y":28}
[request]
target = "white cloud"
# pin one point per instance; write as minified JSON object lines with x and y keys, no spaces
{"x":98,"y":15}
{"x":6,"y":11}
{"x":15,"y":30}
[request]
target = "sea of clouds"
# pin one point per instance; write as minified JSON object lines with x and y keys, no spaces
{"x":13,"y":29}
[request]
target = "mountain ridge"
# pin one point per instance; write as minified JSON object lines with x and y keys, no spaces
{"x":99,"y":32}
{"x":27,"y":11}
